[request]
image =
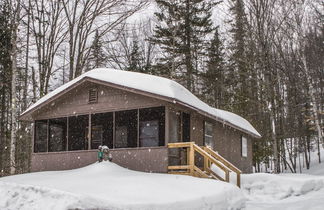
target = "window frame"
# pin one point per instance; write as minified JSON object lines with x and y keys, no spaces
{"x":244,"y":146}
{"x":206,"y":135}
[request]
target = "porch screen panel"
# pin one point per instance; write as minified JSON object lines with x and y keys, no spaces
{"x":40,"y":141}
{"x":101,"y":130}
{"x":152,"y":126}
{"x":78,"y":129}
{"x":57,"y":134}
{"x":126,"y":129}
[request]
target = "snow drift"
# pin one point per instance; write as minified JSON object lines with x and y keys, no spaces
{"x":285,"y":191}
{"x":109,"y":186}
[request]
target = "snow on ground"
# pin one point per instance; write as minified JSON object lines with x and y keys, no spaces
{"x":109,"y":186}
{"x":286,"y":191}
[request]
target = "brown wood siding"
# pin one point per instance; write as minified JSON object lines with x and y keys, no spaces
{"x":228,"y":144}
{"x":197,"y":129}
{"x":139,"y":159}
{"x":75,"y":102}
{"x":227,"y":141}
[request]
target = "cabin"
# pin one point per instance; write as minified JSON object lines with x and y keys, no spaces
{"x":150,"y":124}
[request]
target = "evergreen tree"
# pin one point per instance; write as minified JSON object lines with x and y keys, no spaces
{"x":239,"y":69}
{"x":135,"y":61}
{"x":181,"y":35}
{"x":213,"y":78}
{"x":97,"y":57}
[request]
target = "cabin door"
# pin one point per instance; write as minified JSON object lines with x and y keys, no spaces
{"x":179,"y":132}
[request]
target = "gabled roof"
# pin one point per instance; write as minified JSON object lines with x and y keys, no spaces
{"x":168,"y":89}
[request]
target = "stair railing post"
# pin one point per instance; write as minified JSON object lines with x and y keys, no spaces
{"x":238,"y":179}
{"x":227,"y":175}
{"x":188,"y":159}
{"x":205,"y":163}
{"x":191,"y":159}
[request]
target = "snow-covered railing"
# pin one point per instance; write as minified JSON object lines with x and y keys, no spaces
{"x":211,"y":158}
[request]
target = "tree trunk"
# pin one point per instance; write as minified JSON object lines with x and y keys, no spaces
{"x":315,"y":111}
{"x":13,"y":102}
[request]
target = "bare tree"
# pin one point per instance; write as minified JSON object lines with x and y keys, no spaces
{"x":49,"y":31}
{"x":120,"y":45}
{"x":85,"y":18}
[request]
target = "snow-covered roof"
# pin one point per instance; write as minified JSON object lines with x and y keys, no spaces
{"x":157,"y":86}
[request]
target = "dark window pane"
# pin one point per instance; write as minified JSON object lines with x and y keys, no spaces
{"x":40,"y":143}
{"x":185,"y":127}
{"x":126,"y":129}
{"x":152,"y":126}
{"x":149,"y":133}
{"x":101,"y":130}
{"x":57,"y":134}
{"x":78,"y":130}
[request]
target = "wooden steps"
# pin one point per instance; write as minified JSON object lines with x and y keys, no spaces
{"x":210,"y":158}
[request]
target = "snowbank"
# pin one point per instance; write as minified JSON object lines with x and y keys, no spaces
{"x":170,"y":89}
{"x":286,"y":191}
{"x":270,"y":186}
{"x":108,"y":186}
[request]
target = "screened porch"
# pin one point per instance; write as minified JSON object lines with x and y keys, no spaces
{"x":120,"y":129}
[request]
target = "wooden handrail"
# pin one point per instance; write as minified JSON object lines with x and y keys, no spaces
{"x":226,"y":163}
{"x":222,"y":159}
{"x":179,"y":144}
{"x":210,"y":157}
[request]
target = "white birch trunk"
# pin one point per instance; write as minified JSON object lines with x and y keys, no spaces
{"x":273,"y":137}
{"x":14,"y":119}
{"x":314,"y":107}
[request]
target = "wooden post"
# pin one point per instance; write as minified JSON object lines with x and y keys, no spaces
{"x":227,"y":175}
{"x":138,"y":129}
{"x":238,"y":179}
{"x":166,"y":125}
{"x":33,"y":130}
{"x":206,"y":164}
{"x":67,"y":133}
{"x":48,"y":133}
{"x":191,"y":159}
{"x":89,"y":132}
{"x":114,"y":129}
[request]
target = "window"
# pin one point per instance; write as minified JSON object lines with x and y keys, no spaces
{"x":57,"y":135}
{"x":40,"y":142}
{"x":101,"y":130}
{"x":126,"y":129}
{"x":78,"y":129}
{"x":149,"y":133}
{"x":208,"y":135}
{"x":93,"y":95}
{"x":151,"y":127}
{"x":244,"y":146}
